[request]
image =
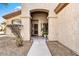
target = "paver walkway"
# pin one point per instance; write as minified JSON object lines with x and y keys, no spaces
{"x":39,"y":47}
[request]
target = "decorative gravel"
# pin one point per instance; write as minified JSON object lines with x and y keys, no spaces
{"x":8,"y":47}
{"x":58,"y":49}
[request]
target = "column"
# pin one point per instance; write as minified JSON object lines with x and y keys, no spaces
{"x":39,"y":28}
{"x":25,"y":17}
{"x":26,"y":31}
{"x":52,"y":27}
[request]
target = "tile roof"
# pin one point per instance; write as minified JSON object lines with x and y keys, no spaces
{"x":11,"y":15}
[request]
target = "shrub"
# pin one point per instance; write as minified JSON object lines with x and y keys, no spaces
{"x":16,"y":29}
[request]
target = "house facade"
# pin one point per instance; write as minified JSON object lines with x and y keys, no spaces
{"x":61,"y":21}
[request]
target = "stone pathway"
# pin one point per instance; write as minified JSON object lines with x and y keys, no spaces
{"x":39,"y":47}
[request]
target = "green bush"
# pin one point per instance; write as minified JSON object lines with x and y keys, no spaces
{"x":45,"y":33}
{"x":19,"y":42}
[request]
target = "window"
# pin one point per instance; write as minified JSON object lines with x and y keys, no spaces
{"x":16,"y":21}
{"x":45,"y":26}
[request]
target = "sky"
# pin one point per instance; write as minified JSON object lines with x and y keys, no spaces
{"x":11,"y":7}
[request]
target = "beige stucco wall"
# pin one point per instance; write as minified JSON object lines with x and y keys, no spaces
{"x":52,"y":28}
{"x":26,"y":13}
{"x":67,"y":30}
{"x":26,"y":31}
{"x":9,"y":21}
{"x":26,"y":7}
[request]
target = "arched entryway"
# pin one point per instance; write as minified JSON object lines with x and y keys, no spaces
{"x":39,"y":22}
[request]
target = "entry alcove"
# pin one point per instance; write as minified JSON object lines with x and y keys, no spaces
{"x":39,"y":22}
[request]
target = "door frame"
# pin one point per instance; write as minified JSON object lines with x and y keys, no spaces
{"x":32,"y":27}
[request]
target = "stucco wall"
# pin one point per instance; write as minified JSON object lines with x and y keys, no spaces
{"x":26,"y":8}
{"x":9,"y":21}
{"x":52,"y":28}
{"x":26,"y":31}
{"x":67,"y":29}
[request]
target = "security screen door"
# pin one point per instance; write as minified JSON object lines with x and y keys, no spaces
{"x":35,"y":29}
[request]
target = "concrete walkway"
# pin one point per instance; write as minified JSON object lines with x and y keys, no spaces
{"x":39,"y":47}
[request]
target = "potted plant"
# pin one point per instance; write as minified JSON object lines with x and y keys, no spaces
{"x":45,"y":34}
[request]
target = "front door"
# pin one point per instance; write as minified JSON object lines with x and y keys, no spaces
{"x":34,"y":29}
